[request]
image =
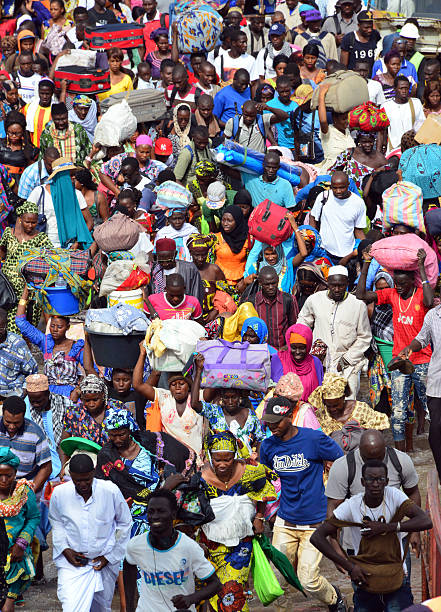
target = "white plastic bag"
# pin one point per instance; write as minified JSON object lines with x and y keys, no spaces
{"x":118,"y":116}
{"x":176,"y":354}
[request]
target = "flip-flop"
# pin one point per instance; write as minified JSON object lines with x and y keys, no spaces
{"x":405,"y":366}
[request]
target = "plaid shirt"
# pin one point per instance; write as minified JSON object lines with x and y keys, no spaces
{"x":16,"y":362}
{"x":31,"y":178}
{"x":82,"y":142}
{"x":278,"y":314}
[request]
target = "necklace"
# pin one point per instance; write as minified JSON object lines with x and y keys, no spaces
{"x":409,"y":304}
{"x":381,"y":518}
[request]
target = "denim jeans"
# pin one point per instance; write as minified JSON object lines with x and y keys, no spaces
{"x":390,"y":602}
{"x":400,"y":389}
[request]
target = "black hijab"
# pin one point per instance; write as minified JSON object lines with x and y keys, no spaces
{"x":235,"y":239}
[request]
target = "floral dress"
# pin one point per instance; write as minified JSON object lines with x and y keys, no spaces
{"x":232,"y":564}
{"x":354,"y":169}
{"x":78,"y":422}
{"x":14,"y":252}
{"x":250,"y":434}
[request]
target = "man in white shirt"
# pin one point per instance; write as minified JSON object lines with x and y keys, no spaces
{"x":404,"y":113}
{"x":342,"y":323}
{"x":376,"y":94}
{"x":91,"y":524}
{"x":168,"y":562}
{"x":27,"y":79}
{"x":378,"y":511}
{"x":277,"y":45}
{"x":228,"y":63}
{"x":341,"y":217}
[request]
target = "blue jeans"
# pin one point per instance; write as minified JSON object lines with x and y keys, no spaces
{"x":390,"y":602}
{"x":400,"y":388}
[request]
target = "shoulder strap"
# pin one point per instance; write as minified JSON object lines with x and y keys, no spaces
{"x":261,"y":125}
{"x":173,"y":95}
{"x":188,"y":147}
{"x":162,"y":17}
{"x":351,"y":40}
{"x":236,"y":127}
{"x":305,"y":35}
{"x":337,"y":24}
{"x":412,"y":111}
{"x":325,"y":197}
{"x":216,"y":52}
{"x":40,"y":166}
{"x":322,"y":35}
{"x":350,"y":460}
{"x":395,"y":462}
{"x":265,"y":55}
{"x":222,"y":76}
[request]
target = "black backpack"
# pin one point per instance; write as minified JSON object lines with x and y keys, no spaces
{"x":350,"y":459}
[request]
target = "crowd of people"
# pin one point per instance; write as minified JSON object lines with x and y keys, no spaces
{"x":146,"y":481}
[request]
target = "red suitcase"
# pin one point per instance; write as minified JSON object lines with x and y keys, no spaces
{"x":83,"y":80}
{"x":268,"y":223}
{"x":121,"y":35}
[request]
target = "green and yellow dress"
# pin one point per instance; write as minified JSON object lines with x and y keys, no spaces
{"x":21,"y":515}
{"x":234,"y":514}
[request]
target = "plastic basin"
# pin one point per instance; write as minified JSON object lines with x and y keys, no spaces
{"x":114,"y":350}
{"x":62,"y":300}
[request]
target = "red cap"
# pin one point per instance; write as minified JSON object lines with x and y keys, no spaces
{"x":163,"y":146}
{"x":165,"y":244}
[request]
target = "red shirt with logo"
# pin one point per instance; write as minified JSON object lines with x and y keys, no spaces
{"x":407,"y":318}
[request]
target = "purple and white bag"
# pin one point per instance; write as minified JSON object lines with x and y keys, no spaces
{"x":235,"y":365}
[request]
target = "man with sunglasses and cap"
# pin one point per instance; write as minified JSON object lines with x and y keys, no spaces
{"x":297,"y":454}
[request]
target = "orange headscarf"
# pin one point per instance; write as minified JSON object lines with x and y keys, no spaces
{"x":25,"y":34}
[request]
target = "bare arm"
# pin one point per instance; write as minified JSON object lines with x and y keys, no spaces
{"x":428,"y":293}
{"x":103,"y":207}
{"x":344,"y":57}
{"x":87,"y":356}
{"x":359,"y":234}
{"x":303,"y":251}
{"x":88,"y":218}
{"x":174,"y":49}
{"x":362,"y":293}
{"x":322,"y":108}
{"x":144,"y":388}
{"x":42,"y":475}
{"x":278,"y":115}
{"x":107,"y":182}
{"x":196,"y":403}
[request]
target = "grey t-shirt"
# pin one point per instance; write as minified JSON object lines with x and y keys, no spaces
{"x":250,"y":137}
{"x":336,"y":487}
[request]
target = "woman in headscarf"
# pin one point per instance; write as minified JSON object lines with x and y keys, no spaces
{"x":84,"y":112}
{"x":297,"y":358}
{"x":255,"y":331}
{"x":333,"y":410}
{"x":138,"y":462}
{"x":264,"y":93}
{"x":177,"y":130}
{"x":233,"y":484}
{"x":18,"y":507}
{"x":12,"y":245}
{"x":207,"y":174}
{"x":85,"y":419}
{"x":233,"y":244}
{"x":309,"y":279}
{"x":313,"y":242}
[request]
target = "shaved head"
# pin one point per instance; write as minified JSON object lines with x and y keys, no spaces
{"x":372,"y":445}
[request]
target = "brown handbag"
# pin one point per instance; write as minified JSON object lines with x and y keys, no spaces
{"x":380,"y":556}
{"x":119,"y":233}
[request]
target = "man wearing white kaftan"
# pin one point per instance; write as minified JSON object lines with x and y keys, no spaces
{"x":98,"y":527}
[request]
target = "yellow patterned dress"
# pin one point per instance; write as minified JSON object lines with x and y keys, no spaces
{"x":364,"y":415}
{"x":232,"y":563}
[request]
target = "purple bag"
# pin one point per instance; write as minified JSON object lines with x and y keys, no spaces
{"x":235,"y":365}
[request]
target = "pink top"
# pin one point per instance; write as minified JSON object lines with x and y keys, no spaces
{"x":189,"y":308}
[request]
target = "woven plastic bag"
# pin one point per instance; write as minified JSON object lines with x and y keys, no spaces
{"x":119,"y":116}
{"x":266,"y":584}
{"x":403,"y":203}
{"x":368,"y":117}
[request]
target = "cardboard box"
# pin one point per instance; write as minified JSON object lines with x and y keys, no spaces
{"x":430,"y":131}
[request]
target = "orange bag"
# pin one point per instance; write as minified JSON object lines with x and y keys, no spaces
{"x":136,"y":279}
{"x":153,"y":417}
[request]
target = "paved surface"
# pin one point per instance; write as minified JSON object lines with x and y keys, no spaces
{"x":43,"y":598}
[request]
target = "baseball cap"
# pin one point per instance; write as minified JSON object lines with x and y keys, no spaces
{"x":304,"y":8}
{"x":277,"y":29}
{"x":216,"y":195}
{"x":277,"y":409}
{"x":163,"y":146}
{"x":409,"y":30}
{"x":313,"y":15}
{"x":365,"y":16}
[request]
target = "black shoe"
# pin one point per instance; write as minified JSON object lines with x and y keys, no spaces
{"x":340,"y":605}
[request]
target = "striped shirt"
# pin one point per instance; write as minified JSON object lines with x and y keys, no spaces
{"x":30,"y":446}
{"x":41,"y":117}
{"x":430,"y":333}
{"x":16,"y":362}
{"x":33,"y":176}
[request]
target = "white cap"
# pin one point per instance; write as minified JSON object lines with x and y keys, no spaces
{"x":338,"y":271}
{"x":409,"y":30}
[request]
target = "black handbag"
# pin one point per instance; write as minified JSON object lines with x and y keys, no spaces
{"x":8,"y":298}
{"x":42,"y":220}
{"x":193,"y":502}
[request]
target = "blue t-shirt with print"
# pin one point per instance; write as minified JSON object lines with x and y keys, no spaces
{"x":285,"y":129}
{"x":299,"y":465}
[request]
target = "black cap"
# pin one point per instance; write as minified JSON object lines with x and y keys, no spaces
{"x":365,"y":16}
{"x":277,"y":409}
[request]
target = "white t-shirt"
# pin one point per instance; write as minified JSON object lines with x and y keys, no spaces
{"x":28,"y":86}
{"x":376,"y":93}
{"x":230,"y":65}
{"x":49,"y":211}
{"x":338,"y":220}
{"x":400,"y":117}
{"x":211,"y":57}
{"x":264,"y":66}
{"x":354,"y":509}
{"x":166,"y":573}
